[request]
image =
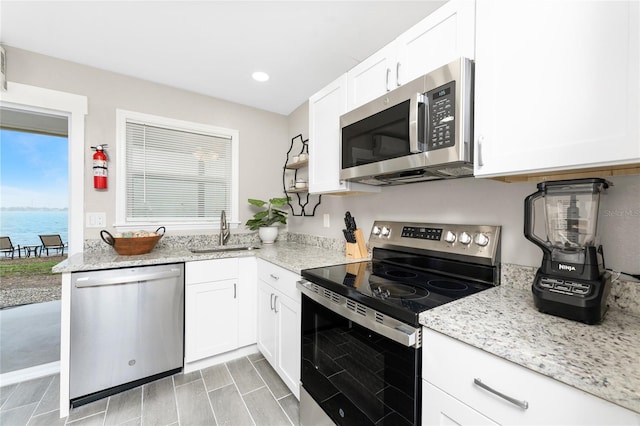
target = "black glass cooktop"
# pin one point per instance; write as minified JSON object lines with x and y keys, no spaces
{"x":394,"y":290}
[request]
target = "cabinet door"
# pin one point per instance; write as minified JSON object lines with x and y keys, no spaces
{"x":445,"y":35}
{"x":325,"y":108}
{"x":247,"y":300}
{"x":288,"y":364}
{"x":267,"y":322}
{"x":557,"y":85}
{"x":211,"y":319}
{"x":372,"y":77}
{"x":440,"y":408}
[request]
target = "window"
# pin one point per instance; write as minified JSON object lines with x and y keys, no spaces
{"x":175,"y":173}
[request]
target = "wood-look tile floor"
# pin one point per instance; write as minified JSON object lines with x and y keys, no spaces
{"x":245,"y":391}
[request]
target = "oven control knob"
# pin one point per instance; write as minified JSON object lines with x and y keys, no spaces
{"x":385,"y":231}
{"x":481,"y":240}
{"x":450,"y":237}
{"x":375,"y":230}
{"x":465,"y":238}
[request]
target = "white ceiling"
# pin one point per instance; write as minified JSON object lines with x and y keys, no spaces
{"x":212,"y":47}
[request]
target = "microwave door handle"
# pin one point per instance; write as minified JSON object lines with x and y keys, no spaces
{"x":414,"y":110}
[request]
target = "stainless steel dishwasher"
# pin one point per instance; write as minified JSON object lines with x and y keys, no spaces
{"x":127,"y":328}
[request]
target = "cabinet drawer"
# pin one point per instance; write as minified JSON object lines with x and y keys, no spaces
{"x":279,"y":278}
{"x":211,"y":270}
{"x":453,"y":366}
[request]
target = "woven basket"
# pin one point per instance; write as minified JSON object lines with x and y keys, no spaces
{"x":134,"y":245}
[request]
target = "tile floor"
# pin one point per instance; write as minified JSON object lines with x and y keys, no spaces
{"x":245,"y":391}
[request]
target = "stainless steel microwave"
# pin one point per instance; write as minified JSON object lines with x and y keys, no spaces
{"x":417,"y":132}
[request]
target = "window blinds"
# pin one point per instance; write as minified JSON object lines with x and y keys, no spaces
{"x":174,"y":174}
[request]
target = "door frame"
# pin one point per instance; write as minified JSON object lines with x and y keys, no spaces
{"x":74,"y":107}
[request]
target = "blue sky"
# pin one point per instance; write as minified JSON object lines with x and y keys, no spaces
{"x":33,"y":170}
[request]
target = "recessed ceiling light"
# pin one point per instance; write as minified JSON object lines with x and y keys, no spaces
{"x":260,"y":76}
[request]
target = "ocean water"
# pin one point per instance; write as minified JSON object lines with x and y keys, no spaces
{"x":24,"y":226}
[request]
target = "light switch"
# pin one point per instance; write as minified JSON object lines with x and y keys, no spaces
{"x":96,"y":219}
{"x":325,"y":218}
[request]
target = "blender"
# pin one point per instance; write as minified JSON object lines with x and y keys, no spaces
{"x":572,"y":281}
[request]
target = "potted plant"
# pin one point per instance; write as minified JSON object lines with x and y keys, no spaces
{"x":267,"y":219}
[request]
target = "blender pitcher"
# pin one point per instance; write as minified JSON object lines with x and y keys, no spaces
{"x":571,"y":217}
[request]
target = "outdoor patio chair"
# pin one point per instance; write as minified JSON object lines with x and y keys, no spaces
{"x":53,"y":242}
{"x":7,"y":247}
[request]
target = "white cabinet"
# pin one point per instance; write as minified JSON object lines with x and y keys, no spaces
{"x":557,"y":85}
{"x":443,"y":36}
{"x":219,"y":306}
{"x":325,"y":108}
{"x":279,"y":322}
{"x":451,"y":367}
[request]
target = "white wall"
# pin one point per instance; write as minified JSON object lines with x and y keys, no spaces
{"x":263,"y":135}
{"x":478,"y":201}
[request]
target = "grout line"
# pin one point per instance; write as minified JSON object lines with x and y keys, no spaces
{"x":175,"y":398}
{"x":41,"y":398}
{"x":241,"y":396}
{"x":272,"y":394}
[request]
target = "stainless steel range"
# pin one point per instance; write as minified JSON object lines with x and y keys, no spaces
{"x":361,"y":337}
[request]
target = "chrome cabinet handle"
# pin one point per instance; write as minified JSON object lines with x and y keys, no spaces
{"x":398,"y":74}
{"x":386,"y":83}
{"x":480,"y":143}
{"x":275,"y":304}
{"x":522,"y":404}
{"x":275,"y":277}
{"x":272,"y":301}
{"x":234,"y":291}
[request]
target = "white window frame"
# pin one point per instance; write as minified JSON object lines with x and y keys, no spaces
{"x":122,"y":224}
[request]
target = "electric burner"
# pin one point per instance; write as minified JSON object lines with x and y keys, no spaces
{"x":401,"y":274}
{"x":446,"y":285}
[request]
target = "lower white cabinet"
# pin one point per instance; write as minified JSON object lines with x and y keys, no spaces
{"x":451,"y":395}
{"x":219,"y":306}
{"x":279,"y":322}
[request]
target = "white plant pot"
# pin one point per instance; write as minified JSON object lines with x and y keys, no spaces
{"x":268,"y":234}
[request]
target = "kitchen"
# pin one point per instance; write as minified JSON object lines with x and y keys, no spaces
{"x":266,"y":139}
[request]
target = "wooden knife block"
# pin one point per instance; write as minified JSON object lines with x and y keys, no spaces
{"x":357,"y":250}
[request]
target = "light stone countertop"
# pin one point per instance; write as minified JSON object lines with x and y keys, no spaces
{"x":289,"y":255}
{"x":603,"y":360}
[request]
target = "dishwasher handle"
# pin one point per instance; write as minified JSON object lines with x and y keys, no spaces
{"x":84,"y":282}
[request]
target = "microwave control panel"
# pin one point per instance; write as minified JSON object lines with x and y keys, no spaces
{"x":442,"y":112}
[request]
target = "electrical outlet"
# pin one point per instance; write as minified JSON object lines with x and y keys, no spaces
{"x":96,"y":220}
{"x":326,"y":221}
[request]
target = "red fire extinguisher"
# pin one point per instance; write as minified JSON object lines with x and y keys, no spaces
{"x":99,"y":167}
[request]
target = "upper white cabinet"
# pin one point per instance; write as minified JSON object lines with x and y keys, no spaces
{"x":325,"y":109}
{"x":557,"y":85}
{"x":443,"y":36}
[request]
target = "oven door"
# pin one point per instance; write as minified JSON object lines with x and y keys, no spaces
{"x":353,"y":375}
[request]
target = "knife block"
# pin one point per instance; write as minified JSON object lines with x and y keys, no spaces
{"x":357,"y":250}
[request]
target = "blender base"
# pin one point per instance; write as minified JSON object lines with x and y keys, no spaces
{"x":577,"y":300}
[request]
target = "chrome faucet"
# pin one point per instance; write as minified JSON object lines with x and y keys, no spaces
{"x":225,"y":233}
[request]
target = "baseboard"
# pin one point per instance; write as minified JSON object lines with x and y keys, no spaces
{"x":29,"y":373}
{"x":219,"y":359}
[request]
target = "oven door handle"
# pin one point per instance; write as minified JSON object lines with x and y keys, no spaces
{"x":391,"y":328}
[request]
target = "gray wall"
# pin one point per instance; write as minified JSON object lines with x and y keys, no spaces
{"x":479,"y":201}
{"x":263,"y":135}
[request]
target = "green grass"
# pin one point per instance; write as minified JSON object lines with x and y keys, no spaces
{"x":39,"y":268}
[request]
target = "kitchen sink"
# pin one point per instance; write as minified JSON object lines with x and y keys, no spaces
{"x":222,"y":249}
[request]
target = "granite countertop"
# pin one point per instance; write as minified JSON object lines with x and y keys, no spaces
{"x":603,"y":360}
{"x":289,"y":255}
